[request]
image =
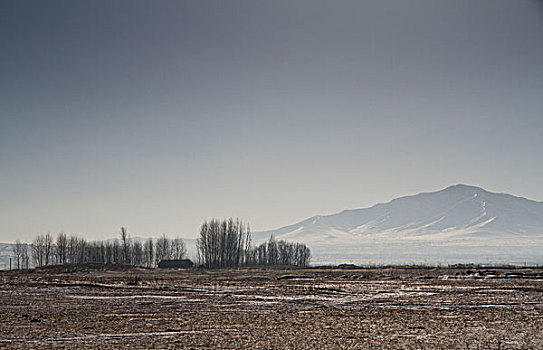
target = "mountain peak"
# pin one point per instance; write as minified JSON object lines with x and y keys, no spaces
{"x":464,"y":187}
{"x":457,"y":211}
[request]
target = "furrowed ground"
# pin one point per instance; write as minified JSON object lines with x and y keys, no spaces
{"x":273,"y":308}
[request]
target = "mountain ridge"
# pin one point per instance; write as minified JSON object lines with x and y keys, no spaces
{"x":463,"y":209}
{"x":457,"y":224}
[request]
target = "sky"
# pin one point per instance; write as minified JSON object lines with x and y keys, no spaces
{"x":158,"y":115}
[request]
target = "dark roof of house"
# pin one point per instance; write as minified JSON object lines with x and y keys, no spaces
{"x":175,"y":263}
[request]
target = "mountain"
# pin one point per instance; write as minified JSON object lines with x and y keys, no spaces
{"x":459,"y":217}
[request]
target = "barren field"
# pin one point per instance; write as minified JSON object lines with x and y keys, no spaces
{"x":274,"y":308}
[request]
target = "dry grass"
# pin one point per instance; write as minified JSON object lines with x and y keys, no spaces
{"x":275,"y":308}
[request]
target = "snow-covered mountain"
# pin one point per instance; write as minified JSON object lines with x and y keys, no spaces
{"x":458,"y":216}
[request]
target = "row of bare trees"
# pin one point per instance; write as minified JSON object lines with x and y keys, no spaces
{"x":223,"y":243}
{"x":20,"y":250}
{"x":45,"y":250}
{"x":275,"y":252}
{"x":227,"y":243}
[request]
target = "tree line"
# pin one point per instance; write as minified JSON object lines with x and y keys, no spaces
{"x":227,"y":243}
{"x":281,"y":252}
{"x":221,"y":244}
{"x":46,"y":250}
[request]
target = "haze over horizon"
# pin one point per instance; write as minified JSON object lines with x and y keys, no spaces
{"x":159,"y":115}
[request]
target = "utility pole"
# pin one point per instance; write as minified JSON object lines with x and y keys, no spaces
{"x":10,"y":263}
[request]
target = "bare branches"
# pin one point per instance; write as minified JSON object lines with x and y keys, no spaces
{"x":62,"y":248}
{"x":275,"y":252}
{"x":223,"y":244}
{"x":163,"y":248}
{"x":228,"y":244}
{"x":148,"y":253}
{"x":125,"y":246}
{"x":18,"y":252}
{"x":178,"y":249}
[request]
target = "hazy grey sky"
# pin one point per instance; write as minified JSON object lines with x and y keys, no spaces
{"x":159,"y":114}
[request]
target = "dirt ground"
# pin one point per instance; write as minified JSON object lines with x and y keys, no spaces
{"x":273,"y":308}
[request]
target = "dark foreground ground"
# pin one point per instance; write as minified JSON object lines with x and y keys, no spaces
{"x":314,"y":309}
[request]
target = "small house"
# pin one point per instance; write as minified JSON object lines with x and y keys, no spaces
{"x":175,"y":264}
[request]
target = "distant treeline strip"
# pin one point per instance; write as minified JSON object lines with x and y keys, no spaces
{"x":44,"y":250}
{"x":221,"y":244}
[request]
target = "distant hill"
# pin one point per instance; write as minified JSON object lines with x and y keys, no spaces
{"x":458,"y":224}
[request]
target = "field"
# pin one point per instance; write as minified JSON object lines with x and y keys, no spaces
{"x":272,"y":308}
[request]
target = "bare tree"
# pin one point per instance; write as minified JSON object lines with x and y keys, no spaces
{"x":117,"y":252}
{"x":178,"y":248}
{"x":18,"y":252}
{"x":137,"y":253}
{"x":38,"y":250}
{"x":148,"y":252}
{"x":71,"y":254}
{"x":108,"y":256}
{"x":48,"y":246}
{"x":273,"y":253}
{"x":24,"y":256}
{"x":103,"y":252}
{"x":82,"y":251}
{"x":162,"y":248}
{"x":62,"y":248}
{"x":125,"y":246}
